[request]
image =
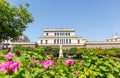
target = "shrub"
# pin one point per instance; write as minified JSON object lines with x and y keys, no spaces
{"x":35,"y":64}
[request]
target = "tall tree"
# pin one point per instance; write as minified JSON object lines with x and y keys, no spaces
{"x":13,"y":20}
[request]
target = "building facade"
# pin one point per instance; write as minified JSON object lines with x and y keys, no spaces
{"x":66,"y":37}
{"x":61,"y":36}
{"x":22,"y":38}
{"x":112,"y":42}
{"x":114,"y":38}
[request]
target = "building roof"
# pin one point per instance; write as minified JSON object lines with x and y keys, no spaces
{"x":59,"y":29}
{"x":114,"y":37}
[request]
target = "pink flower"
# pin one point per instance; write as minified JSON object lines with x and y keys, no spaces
{"x":47,"y":63}
{"x":37,"y":62}
{"x":8,"y":56}
{"x":10,"y":67}
{"x":69,"y":62}
{"x":7,"y":64}
{"x":2,"y":69}
{"x":76,"y":72}
{"x":15,"y":66}
{"x":57,"y":58}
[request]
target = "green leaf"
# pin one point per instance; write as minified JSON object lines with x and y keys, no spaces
{"x":109,"y":75}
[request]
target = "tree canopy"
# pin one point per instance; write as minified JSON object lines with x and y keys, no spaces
{"x":13,"y":20}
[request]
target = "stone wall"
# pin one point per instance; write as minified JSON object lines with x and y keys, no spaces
{"x":89,"y":44}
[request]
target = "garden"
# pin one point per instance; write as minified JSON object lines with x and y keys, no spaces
{"x":26,"y":62}
{"x":43,"y":62}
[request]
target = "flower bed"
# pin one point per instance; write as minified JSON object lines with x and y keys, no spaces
{"x":36,"y":64}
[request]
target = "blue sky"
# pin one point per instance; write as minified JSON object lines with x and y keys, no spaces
{"x":95,"y":20}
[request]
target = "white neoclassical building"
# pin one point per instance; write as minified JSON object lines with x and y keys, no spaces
{"x":114,"y":38}
{"x":66,"y":38}
{"x":22,"y":40}
{"x":61,"y":36}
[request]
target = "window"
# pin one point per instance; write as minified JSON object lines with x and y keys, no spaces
{"x":69,"y":34}
{"x":60,"y":41}
{"x":55,"y":34}
{"x":66,"y":41}
{"x":78,"y":41}
{"x":54,"y":41}
{"x":46,"y":41}
{"x":69,"y":41}
{"x":60,"y":34}
{"x":46,"y":34}
{"x":41,"y":41}
{"x":115,"y":39}
{"x":57,"y":41}
{"x":66,"y":34}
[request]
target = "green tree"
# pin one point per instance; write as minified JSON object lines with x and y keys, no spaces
{"x":13,"y":20}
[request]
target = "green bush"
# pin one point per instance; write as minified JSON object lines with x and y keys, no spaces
{"x":92,"y":65}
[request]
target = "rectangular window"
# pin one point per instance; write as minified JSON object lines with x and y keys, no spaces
{"x":46,"y":34}
{"x":66,"y":41}
{"x":46,"y":41}
{"x":60,"y":34}
{"x":54,"y":41}
{"x":66,"y":34}
{"x":69,"y":34}
{"x":41,"y":41}
{"x":69,"y":41}
{"x":57,"y":41}
{"x":55,"y":34}
{"x":63,"y":34}
{"x":78,"y":41}
{"x":60,"y":41}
